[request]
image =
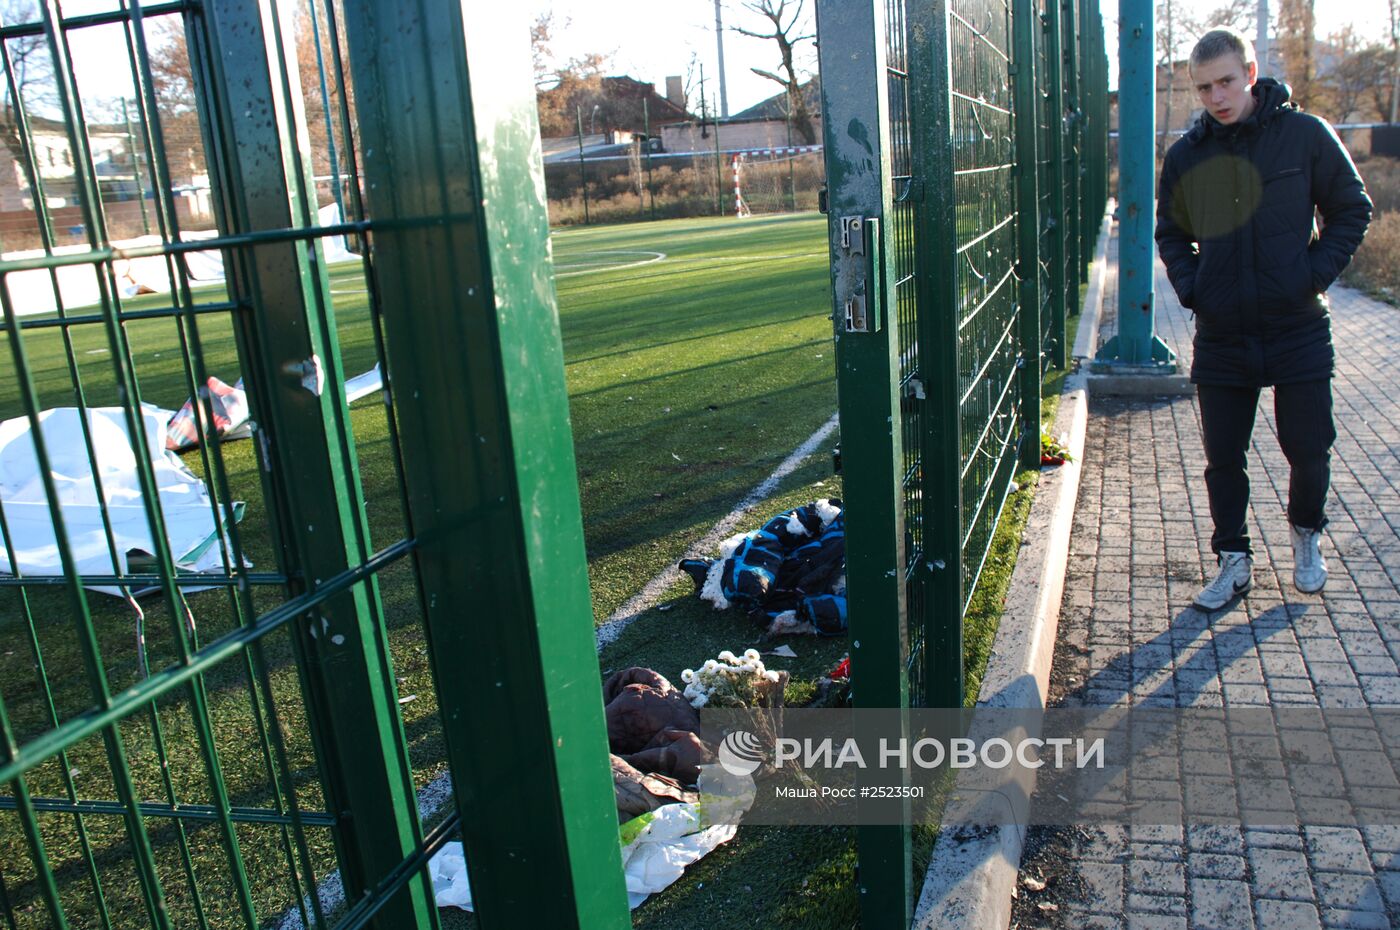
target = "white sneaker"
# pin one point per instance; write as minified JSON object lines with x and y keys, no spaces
{"x":1234,"y":578}
{"x":1309,"y":568}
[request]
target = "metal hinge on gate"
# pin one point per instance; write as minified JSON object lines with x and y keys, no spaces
{"x":857,"y":256}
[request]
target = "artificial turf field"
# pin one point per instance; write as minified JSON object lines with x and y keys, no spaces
{"x":698,"y":355}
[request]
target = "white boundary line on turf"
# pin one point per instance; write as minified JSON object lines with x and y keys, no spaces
{"x":439,"y":791}
{"x":652,"y":592}
{"x":656,"y":257}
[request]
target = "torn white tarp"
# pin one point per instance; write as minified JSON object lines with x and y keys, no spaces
{"x":656,"y":847}
{"x":364,"y":385}
{"x":184,"y":501}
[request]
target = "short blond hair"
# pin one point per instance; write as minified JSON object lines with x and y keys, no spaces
{"x":1223,"y":41}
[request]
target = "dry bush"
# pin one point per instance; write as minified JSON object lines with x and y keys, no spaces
{"x":1376,"y":267}
{"x":1382,"y":176}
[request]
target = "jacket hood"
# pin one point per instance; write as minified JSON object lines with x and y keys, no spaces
{"x":1270,"y":98}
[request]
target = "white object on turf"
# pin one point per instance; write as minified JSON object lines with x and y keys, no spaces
{"x":184,"y":502}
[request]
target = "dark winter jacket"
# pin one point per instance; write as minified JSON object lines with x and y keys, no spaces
{"x":1236,"y":231}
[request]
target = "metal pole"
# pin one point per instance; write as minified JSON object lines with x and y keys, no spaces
{"x":855,"y":92}
{"x":792,"y":180}
{"x":1023,"y":89}
{"x":719,"y":41}
{"x":646,"y":129}
{"x":582,"y":167}
{"x":1261,"y":37}
{"x":1056,"y":222}
{"x":1136,"y":342}
{"x":719,"y":170}
{"x":135,"y":172}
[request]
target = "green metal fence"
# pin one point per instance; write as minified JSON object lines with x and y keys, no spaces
{"x":267,"y":753}
{"x":279,"y":724}
{"x":954,"y":148}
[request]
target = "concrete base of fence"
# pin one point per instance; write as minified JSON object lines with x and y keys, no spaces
{"x":972,"y":873}
{"x":1139,"y":381}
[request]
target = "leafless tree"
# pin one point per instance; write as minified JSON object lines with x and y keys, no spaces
{"x":32,"y":71}
{"x":785,"y":25}
{"x":1296,"y":26}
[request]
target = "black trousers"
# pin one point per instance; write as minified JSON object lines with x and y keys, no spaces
{"x":1303,"y":414}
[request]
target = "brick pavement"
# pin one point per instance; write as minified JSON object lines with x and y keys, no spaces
{"x":1139,"y":552}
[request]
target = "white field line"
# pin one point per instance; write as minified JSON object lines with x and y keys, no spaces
{"x":652,"y":592}
{"x":439,"y":791}
{"x":655,"y":257}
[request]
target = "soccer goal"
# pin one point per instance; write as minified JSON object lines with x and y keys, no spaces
{"x":780,"y":180}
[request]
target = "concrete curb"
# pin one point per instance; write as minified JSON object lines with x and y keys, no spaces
{"x":972,"y":873}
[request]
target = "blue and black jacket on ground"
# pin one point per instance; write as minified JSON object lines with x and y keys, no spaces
{"x":795,"y":562}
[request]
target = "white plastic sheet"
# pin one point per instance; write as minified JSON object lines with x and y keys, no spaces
{"x":184,"y":501}
{"x":657,"y":846}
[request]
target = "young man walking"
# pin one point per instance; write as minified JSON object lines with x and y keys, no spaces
{"x":1237,"y":231}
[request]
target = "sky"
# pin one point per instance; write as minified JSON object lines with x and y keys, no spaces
{"x":650,"y":40}
{"x":648,"y":50}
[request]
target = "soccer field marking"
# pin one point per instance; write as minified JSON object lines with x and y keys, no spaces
{"x":605,"y":266}
{"x":656,"y":588}
{"x":438,"y":792}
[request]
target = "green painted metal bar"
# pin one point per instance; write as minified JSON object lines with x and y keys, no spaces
{"x":1074,"y":115}
{"x":114,"y":707}
{"x":494,"y":500}
{"x":942,"y":441}
{"x":854,"y":48}
{"x":20,"y":759}
{"x":123,"y":316}
{"x":1091,"y":211}
{"x":102,"y":18}
{"x":1060,"y":232}
{"x":271,"y":745}
{"x":1024,"y":26}
{"x":288,"y":344}
{"x":123,"y":363}
{"x":204,"y":813}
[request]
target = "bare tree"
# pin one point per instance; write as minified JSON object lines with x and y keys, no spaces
{"x":1296,"y":26}
{"x":1353,"y":70}
{"x":785,"y":22}
{"x":541,"y":48}
{"x":32,"y":69}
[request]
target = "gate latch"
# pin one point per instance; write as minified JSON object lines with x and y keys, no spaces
{"x":857,"y":273}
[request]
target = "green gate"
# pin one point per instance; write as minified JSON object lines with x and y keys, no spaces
{"x":953,"y":153}
{"x":402,"y":613}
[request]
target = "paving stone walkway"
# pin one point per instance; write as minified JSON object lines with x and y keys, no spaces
{"x":1138,"y":554}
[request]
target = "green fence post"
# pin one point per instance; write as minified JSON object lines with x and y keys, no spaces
{"x":288,"y":347}
{"x":939,"y":342}
{"x":856,"y":105}
{"x":1074,"y":117}
{"x":1059,"y":235}
{"x":1023,"y":28}
{"x":455,"y":189}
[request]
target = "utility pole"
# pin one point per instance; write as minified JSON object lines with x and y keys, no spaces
{"x":719,"y":41}
{"x":1261,"y":37}
{"x":704,"y":132}
{"x":646,"y":141}
{"x":582,"y":165}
